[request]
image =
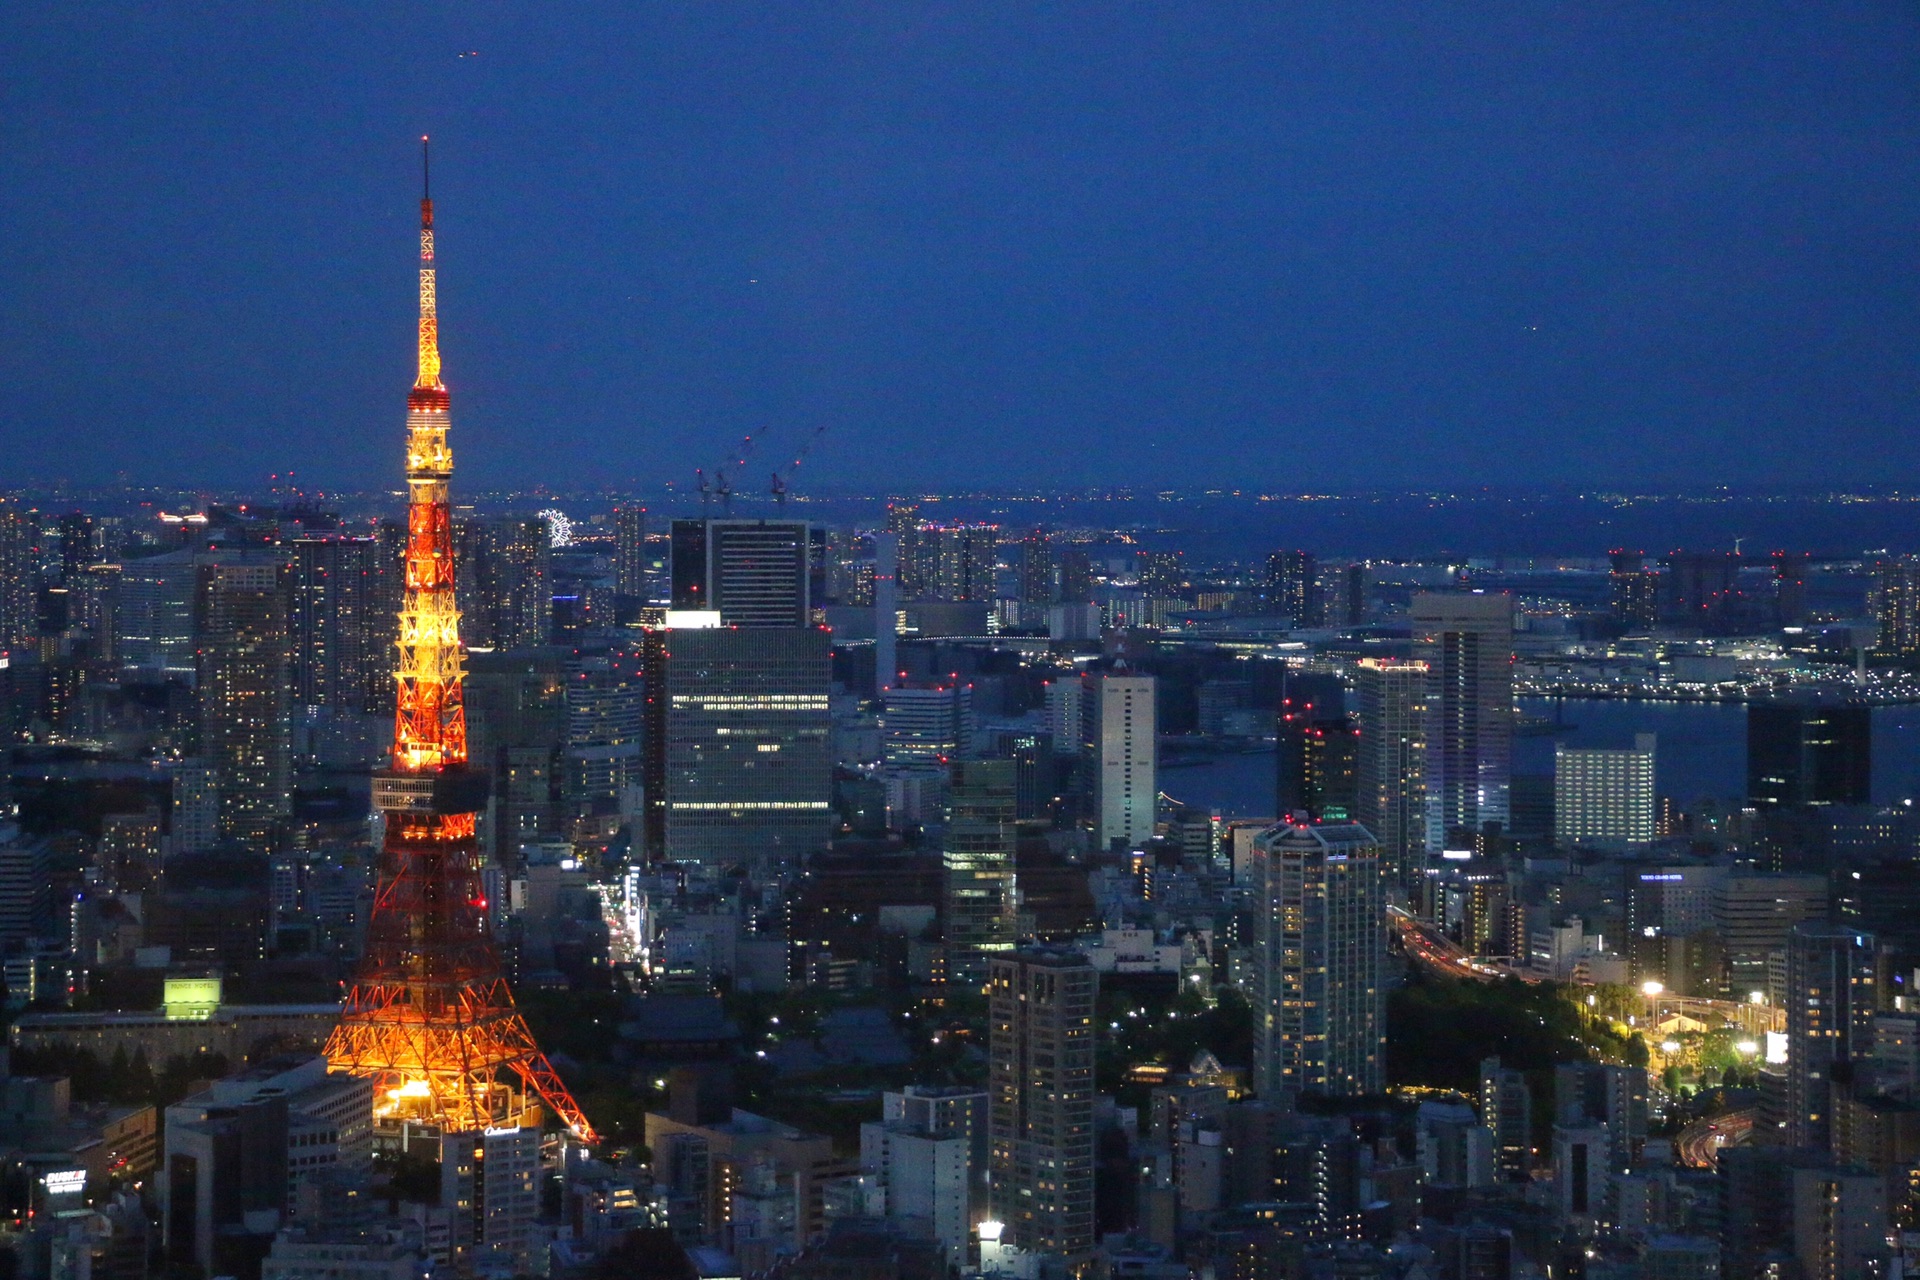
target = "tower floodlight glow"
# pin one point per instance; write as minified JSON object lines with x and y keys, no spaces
{"x":430,"y":1015}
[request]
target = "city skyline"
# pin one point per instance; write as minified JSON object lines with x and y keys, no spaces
{"x":1276,"y":232}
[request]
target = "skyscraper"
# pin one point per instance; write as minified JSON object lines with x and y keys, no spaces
{"x":244,"y":687}
{"x":738,"y":764}
{"x":1467,"y":644}
{"x":755,"y":573}
{"x":19,"y":574}
{"x":506,"y":583}
{"x":926,"y":726}
{"x":630,"y":552}
{"x":1603,"y":798}
{"x":1040,"y":1006}
{"x":1315,"y":757}
{"x":1320,"y":953}
{"x":1896,"y":606}
{"x":1832,"y":994}
{"x":964,"y":559}
{"x":1291,"y":587}
{"x":981,"y":840}
{"x":1632,"y":589}
{"x":1808,"y":751}
{"x":1122,"y":749}
{"x":341,"y":640}
{"x":1390,"y":791}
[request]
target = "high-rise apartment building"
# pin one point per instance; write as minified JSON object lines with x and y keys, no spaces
{"x":739,"y":770}
{"x":964,"y":559}
{"x":342,"y":640}
{"x":754,"y":573}
{"x":1319,"y":961}
{"x":1390,"y":765}
{"x":1466,"y":640}
{"x":505,"y":587}
{"x":19,"y":574}
{"x":1292,"y":587}
{"x":1506,"y":1108}
{"x":1632,"y":589}
{"x":244,"y":688}
{"x":1699,"y":588}
{"x":1040,"y":1007}
{"x":630,"y":552}
{"x":1315,"y":759}
{"x":1896,"y":606}
{"x":1832,"y":993}
{"x":1603,"y":798}
{"x":1122,"y":752}
{"x":981,"y":841}
{"x":1808,"y":752}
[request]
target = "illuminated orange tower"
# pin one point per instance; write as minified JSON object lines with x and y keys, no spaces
{"x":430,"y":1014}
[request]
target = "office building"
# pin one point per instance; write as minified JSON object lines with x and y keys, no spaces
{"x":1603,"y":799}
{"x":1632,"y":590}
{"x":519,"y":715}
{"x":1390,"y":699}
{"x":1805,"y":752}
{"x":1122,"y":753}
{"x":754,"y":573}
{"x":154,"y":614}
{"x":244,"y":690}
{"x":606,"y":712}
{"x":981,"y":841}
{"x":238,"y":1153}
{"x":927,"y":726}
{"x":1832,"y":994}
{"x":739,"y":768}
{"x":1040,"y":1081}
{"x":26,"y":888}
{"x":1753,"y":913}
{"x":1319,"y":961}
{"x":1315,"y":763}
{"x":1467,"y":643}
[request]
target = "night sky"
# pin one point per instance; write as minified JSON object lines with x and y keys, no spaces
{"x":984,"y":245}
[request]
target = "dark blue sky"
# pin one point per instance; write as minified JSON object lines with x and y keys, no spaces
{"x":984,"y":244}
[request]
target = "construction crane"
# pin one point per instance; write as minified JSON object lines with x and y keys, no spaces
{"x":721,"y":485}
{"x":779,"y":489}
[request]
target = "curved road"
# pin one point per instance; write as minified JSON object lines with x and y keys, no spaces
{"x":1698,"y":1146}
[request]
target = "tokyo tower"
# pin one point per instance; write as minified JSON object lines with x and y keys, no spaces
{"x":430,"y":1015}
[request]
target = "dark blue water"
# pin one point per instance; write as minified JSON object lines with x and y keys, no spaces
{"x":1702,"y":753}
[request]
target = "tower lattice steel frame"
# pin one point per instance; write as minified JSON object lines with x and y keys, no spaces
{"x":430,"y":1014}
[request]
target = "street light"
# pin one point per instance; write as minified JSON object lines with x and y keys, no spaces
{"x":1651,"y":988}
{"x":1747,"y":1048}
